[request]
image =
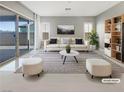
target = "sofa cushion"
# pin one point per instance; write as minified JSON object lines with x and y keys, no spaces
{"x":53,"y":41}
{"x":63,"y":45}
{"x":79,"y":41}
{"x":72,"y":40}
{"x":53,"y":46}
{"x":72,"y":45}
{"x":58,"y":40}
{"x":79,"y":46}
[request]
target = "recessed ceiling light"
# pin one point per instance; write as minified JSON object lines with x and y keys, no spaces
{"x":67,"y":8}
{"x":69,"y":1}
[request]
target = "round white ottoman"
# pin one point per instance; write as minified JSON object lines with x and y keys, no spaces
{"x":31,"y":66}
{"x":98,"y":67}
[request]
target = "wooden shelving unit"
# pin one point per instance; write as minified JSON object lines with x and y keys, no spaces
{"x":108,"y":28}
{"x":116,"y":37}
{"x":114,"y":27}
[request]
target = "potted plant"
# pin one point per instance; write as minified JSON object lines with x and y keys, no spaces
{"x":93,"y":39}
{"x":68,"y":48}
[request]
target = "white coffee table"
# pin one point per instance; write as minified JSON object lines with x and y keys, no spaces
{"x":73,"y":53}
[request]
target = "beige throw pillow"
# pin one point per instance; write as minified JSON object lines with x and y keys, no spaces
{"x":66,"y":40}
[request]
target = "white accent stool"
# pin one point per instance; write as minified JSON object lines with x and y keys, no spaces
{"x":98,"y":67}
{"x":32,"y":66}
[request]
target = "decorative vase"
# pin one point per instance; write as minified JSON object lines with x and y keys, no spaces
{"x":68,"y":50}
{"x":93,"y":47}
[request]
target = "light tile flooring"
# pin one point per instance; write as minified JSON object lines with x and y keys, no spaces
{"x":8,"y":67}
{"x":56,"y":82}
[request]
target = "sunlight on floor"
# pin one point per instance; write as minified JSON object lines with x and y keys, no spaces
{"x":11,"y":66}
{"x":8,"y":67}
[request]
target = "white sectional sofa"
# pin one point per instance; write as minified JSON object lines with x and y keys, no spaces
{"x":62,"y":42}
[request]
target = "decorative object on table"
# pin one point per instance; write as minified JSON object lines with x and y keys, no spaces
{"x":73,"y":53}
{"x":68,"y":48}
{"x":93,"y":39}
{"x":45,"y":37}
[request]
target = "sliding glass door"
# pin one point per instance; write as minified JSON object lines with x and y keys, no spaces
{"x":7,"y":34}
{"x":11,"y":27}
{"x":31,"y":35}
{"x":23,"y":35}
{"x":26,"y":35}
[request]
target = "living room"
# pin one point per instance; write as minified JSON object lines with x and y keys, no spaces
{"x":63,"y":46}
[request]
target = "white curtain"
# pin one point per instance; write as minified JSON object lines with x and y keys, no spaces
{"x":38,"y":34}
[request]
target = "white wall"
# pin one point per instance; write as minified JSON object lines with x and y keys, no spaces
{"x":100,"y":19}
{"x":76,"y":21}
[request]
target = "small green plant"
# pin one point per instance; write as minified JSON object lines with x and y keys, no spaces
{"x":93,"y":38}
{"x":68,"y":48}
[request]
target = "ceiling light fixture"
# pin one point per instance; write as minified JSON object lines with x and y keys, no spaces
{"x":67,"y":9}
{"x":69,"y":1}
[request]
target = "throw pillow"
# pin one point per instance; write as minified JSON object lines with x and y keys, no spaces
{"x":53,"y":41}
{"x":65,"y":41}
{"x":79,"y":41}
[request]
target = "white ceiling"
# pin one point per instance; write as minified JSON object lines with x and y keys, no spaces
{"x":78,"y":8}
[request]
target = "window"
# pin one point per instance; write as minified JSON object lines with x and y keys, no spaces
{"x":45,"y":27}
{"x":88,"y":26}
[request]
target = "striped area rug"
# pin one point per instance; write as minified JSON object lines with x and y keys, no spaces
{"x":52,"y":63}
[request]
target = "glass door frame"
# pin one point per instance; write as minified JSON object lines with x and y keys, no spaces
{"x":17,"y":54}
